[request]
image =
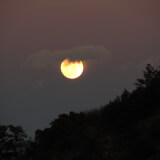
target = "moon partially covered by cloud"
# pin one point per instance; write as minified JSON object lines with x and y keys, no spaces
{"x":46,"y":58}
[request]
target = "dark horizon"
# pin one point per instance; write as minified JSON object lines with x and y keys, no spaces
{"x":127,"y":127}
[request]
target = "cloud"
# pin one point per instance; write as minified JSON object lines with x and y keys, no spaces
{"x":46,"y":58}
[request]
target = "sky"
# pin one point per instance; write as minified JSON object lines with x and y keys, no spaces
{"x":115,"y":39}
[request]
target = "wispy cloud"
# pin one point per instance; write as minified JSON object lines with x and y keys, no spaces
{"x":46,"y":58}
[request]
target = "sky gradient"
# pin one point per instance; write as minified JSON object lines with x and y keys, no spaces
{"x":115,"y":39}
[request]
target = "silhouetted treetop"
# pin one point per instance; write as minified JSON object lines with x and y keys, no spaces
{"x":149,"y":75}
{"x":12,"y":142}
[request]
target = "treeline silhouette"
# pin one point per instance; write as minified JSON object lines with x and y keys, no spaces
{"x":128,"y":128}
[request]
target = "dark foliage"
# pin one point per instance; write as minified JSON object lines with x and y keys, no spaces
{"x":126,"y":128}
{"x":12,"y":142}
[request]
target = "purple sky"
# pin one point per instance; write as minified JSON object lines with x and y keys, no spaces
{"x":114,"y":38}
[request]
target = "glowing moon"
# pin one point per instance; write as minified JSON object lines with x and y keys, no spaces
{"x":71,"y":69}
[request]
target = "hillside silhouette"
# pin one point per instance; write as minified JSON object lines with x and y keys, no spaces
{"x":127,"y":128}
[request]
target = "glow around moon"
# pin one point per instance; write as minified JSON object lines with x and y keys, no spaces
{"x":71,"y":69}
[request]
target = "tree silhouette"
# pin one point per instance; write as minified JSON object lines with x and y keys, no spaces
{"x":149,"y":75}
{"x":12,"y":142}
{"x":126,"y":128}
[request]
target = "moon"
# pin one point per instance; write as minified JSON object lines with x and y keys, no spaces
{"x":71,"y":69}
